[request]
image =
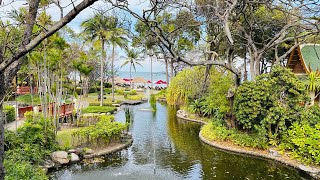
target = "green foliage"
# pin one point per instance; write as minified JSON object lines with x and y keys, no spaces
{"x":135,"y":97}
{"x":217,"y":131}
{"x":99,"y":109}
{"x":103,"y":132}
{"x":153,"y":102}
{"x":312,"y":115}
{"x":161,"y":94}
{"x":26,"y":99}
{"x":133,"y":92}
{"x":216,"y":104}
{"x":303,"y":142}
{"x":88,"y":119}
{"x":186,"y":85}
{"x":120,"y":92}
{"x":98,"y":104}
{"x":313,"y":81}
{"x":196,"y":107}
{"x":23,"y":170}
{"x":29,"y":147}
{"x":274,"y":101}
{"x":10,"y":113}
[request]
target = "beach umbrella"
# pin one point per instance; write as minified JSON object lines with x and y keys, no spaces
{"x":148,"y":81}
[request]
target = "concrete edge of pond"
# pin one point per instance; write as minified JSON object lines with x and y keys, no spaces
{"x":109,"y":151}
{"x":312,"y":171}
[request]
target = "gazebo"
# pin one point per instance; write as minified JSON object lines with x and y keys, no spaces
{"x":117,"y":80}
{"x":140,"y":80}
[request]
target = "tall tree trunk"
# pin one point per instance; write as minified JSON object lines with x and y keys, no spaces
{"x":171,"y":70}
{"x":151,"y":75}
{"x":2,"y":120}
{"x":103,"y":56}
{"x":112,"y":72}
{"x":252,"y":71}
{"x":245,"y":76}
{"x":130,"y":75}
{"x":167,"y":71}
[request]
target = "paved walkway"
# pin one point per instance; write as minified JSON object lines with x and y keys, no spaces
{"x":13,"y":125}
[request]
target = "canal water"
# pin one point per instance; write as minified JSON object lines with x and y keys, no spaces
{"x":168,"y":148}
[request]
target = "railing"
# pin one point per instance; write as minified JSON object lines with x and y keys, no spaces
{"x":65,"y":110}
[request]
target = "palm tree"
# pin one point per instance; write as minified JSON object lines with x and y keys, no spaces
{"x":98,"y":28}
{"x":313,"y":84}
{"x":132,"y":58}
{"x":118,"y":38}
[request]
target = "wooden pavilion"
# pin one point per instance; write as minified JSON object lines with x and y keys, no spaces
{"x":303,"y":60}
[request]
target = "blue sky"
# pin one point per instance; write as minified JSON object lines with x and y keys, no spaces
{"x":136,"y":5}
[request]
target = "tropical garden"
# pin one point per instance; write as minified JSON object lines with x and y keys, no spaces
{"x":225,"y":62}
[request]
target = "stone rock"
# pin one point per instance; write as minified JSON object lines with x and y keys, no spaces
{"x":71,"y":151}
{"x":60,"y":157}
{"x":74,"y":158}
{"x":108,"y":113}
{"x":78,"y":151}
{"x":309,"y":169}
{"x":48,"y":164}
{"x":274,"y":153}
{"x":89,"y":151}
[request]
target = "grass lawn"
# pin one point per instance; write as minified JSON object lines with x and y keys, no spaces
{"x":98,"y":109}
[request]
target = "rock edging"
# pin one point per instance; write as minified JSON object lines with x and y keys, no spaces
{"x":314,"y":172}
{"x":60,"y":158}
{"x":181,"y":116}
{"x":109,"y":151}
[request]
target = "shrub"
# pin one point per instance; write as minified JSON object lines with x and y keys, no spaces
{"x":133,"y":92}
{"x":87,"y":120}
{"x":312,"y":115}
{"x":217,"y":131}
{"x":94,"y":89}
{"x":22,"y":170}
{"x":303,"y":142}
{"x":135,"y":97}
{"x":98,"y":104}
{"x":10,"y":113}
{"x":273,"y":101}
{"x":107,"y":85}
{"x":120,"y":92}
{"x":103,"y":132}
{"x":108,"y":90}
{"x":99,"y":109}
{"x":29,"y":147}
{"x":187,"y":84}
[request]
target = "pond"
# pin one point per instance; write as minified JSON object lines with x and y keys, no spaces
{"x":165,"y":147}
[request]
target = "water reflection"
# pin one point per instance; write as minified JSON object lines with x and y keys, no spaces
{"x":165,"y":147}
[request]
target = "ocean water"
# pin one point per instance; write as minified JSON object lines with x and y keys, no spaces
{"x":146,"y":75}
